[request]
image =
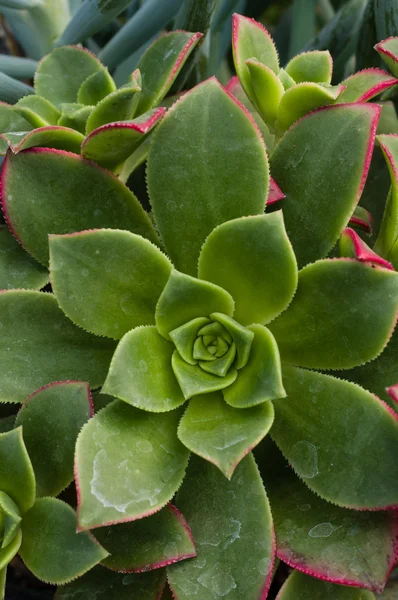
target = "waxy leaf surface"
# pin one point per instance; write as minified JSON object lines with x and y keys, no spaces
{"x":95,"y":88}
{"x":253,"y":260}
{"x":104,"y":584}
{"x":323,"y":540}
{"x":339,"y":438}
{"x":51,"y":136}
{"x":40,"y":345}
{"x":51,"y":548}
{"x":17,"y":268}
{"x":191,"y":189}
{"x":235,"y":545}
{"x":366,"y":84}
{"x":36,"y":109}
{"x":129,"y":464}
{"x":316,"y":65}
{"x":107,"y":281}
{"x":160,"y":65}
{"x":267,"y":90}
{"x":302,"y":587}
{"x":342,"y":315}
{"x":51,"y":419}
{"x":49,"y":191}
{"x":61,"y":73}
{"x":121,"y":105}
{"x":388,"y":50}
{"x":141,"y":374}
{"x":321,"y":165}
{"x":221,"y":434}
{"x":17,"y":479}
{"x":159,"y":540}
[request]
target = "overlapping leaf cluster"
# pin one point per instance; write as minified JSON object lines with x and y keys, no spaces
{"x":201,"y":328}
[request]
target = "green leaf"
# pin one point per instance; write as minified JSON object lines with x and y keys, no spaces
{"x":185,"y":298}
{"x":321,"y":165}
{"x":51,"y":191}
{"x":75,"y":116}
{"x":96,"y":87}
{"x":253,"y":260}
{"x":141,"y":373}
{"x":121,"y":105}
{"x":17,"y":268}
{"x":342,"y":315}
{"x":221,"y":434}
{"x":317,"y":430}
{"x":61,"y":73}
{"x":17,"y":479}
{"x":39,"y":345}
{"x":184,"y":338}
{"x":111,"y":144}
{"x":129,"y":464}
{"x":10,"y":121}
{"x":3,"y":576}
{"x":51,"y":419}
{"x":235,"y":545}
{"x":103,"y":584}
{"x":51,"y":548}
{"x":8,"y":553}
{"x":351,"y":245}
{"x":11,"y":518}
{"x":267,"y":90}
{"x":251,"y":40}
{"x":35,"y":107}
{"x":12,"y":89}
{"x":316,"y":66}
{"x":52,"y":136}
{"x":366,"y":84}
{"x":389,"y":226}
{"x":160,"y":65}
{"x":193,"y":380}
{"x":302,"y":99}
{"x":122,"y":275}
{"x":345,"y":546}
{"x":302,"y":587}
{"x":193,"y":191}
{"x":261,"y":379}
{"x":388,"y":50}
{"x":159,"y":540}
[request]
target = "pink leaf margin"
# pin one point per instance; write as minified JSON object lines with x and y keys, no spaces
{"x":362,"y":251}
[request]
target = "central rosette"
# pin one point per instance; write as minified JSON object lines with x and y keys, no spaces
{"x":218,"y":345}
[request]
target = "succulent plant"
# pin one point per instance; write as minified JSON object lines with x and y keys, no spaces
{"x":204,"y":326}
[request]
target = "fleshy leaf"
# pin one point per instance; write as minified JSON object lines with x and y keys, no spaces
{"x":50,"y":191}
{"x":261,"y":379}
{"x":54,"y":414}
{"x":221,"y":434}
{"x":316,"y":66}
{"x":159,"y":540}
{"x":235,"y":545}
{"x":251,"y":40}
{"x":303,"y":98}
{"x":51,"y":548}
{"x":121,"y":105}
{"x":275,"y":193}
{"x":204,"y":191}
{"x":17,"y":268}
{"x":327,"y":325}
{"x":10,"y":121}
{"x":8,"y":553}
{"x":302,"y":587}
{"x":39,"y":345}
{"x":75,"y":116}
{"x":193,"y":380}
{"x":113,"y":143}
{"x":366,"y":84}
{"x":11,"y":518}
{"x":120,"y":274}
{"x":104,"y":584}
{"x":184,"y":338}
{"x":141,"y":373}
{"x":52,"y":136}
{"x":267,"y":90}
{"x":318,"y":427}
{"x":323,"y":540}
{"x":363,"y":219}
{"x":96,"y":87}
{"x":253,"y":260}
{"x":321,"y":164}
{"x":388,"y":234}
{"x":37,"y":111}
{"x":160,"y":65}
{"x":352,"y":246}
{"x":129,"y":464}
{"x":388,"y":50}
{"x":17,"y":479}
{"x":61,"y":73}
{"x":185,"y":298}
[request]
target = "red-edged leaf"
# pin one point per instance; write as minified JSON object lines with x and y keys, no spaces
{"x":392,"y":391}
{"x":351,"y":245}
{"x":51,"y":136}
{"x":366,"y":84}
{"x":275,"y":193}
{"x":363,"y":219}
{"x":388,"y":50}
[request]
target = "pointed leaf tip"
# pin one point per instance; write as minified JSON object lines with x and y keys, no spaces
{"x":351,"y":245}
